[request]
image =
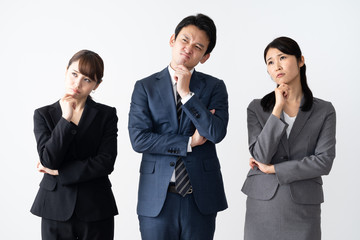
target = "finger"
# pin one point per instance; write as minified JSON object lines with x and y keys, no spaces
{"x":68,"y":96}
{"x":212,"y":111}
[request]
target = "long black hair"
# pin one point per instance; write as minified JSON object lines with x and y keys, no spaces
{"x":290,"y":47}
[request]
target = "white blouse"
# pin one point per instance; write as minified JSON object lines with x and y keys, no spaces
{"x":290,"y":121}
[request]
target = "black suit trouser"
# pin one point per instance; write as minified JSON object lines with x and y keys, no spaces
{"x":74,"y":228}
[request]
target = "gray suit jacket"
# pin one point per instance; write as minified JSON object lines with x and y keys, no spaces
{"x":299,"y":160}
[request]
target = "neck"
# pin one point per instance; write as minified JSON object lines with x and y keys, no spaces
{"x":80,"y":104}
{"x":295,"y":92}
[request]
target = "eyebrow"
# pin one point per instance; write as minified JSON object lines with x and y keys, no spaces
{"x":201,"y":45}
{"x":276,"y":55}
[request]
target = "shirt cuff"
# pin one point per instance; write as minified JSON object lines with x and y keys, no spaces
{"x":187,"y":97}
{"x":189,"y":148}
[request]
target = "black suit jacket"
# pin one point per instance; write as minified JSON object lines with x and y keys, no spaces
{"x":84,"y":155}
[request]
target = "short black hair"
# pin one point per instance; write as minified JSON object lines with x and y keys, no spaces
{"x":202,"y":22}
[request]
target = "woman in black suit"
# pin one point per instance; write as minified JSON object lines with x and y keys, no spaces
{"x":77,"y":145}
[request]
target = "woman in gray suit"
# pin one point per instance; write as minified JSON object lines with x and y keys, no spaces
{"x":292,"y":142}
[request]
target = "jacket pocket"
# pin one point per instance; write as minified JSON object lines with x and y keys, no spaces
{"x":260,"y":186}
{"x":147,"y":167}
{"x":307,"y":191}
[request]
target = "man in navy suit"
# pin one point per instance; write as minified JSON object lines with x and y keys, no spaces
{"x":177,"y":139}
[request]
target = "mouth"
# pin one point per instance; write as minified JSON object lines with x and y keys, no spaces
{"x":280,"y":75}
{"x":75,"y":91}
{"x":185,"y":55}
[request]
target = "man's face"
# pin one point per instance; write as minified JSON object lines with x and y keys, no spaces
{"x":189,"y":47}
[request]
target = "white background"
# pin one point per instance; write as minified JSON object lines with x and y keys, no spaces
{"x":37,"y":38}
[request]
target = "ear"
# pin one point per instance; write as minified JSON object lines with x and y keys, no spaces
{"x":302,"y":61}
{"x":205,"y":58}
{"x":172,"y":40}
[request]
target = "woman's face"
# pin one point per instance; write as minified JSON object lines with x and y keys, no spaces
{"x":283,"y":68}
{"x":77,"y":84}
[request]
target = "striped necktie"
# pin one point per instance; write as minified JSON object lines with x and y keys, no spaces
{"x":178,"y":106}
{"x":182,"y":180}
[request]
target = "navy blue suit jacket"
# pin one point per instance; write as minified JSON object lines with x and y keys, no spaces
{"x":84,"y":155}
{"x":155,"y":132}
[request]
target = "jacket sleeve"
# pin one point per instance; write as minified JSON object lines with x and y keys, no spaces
{"x":100,"y":165}
{"x":315,"y":165}
{"x":143,"y":137}
{"x":52,"y":145}
{"x":264,"y":139}
{"x":211,"y":126}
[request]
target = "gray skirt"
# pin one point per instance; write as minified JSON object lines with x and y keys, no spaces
{"x":280,"y":218}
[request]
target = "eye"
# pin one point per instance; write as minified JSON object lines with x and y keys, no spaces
{"x":88,"y":80}
{"x":74,"y":74}
{"x":282,"y":57}
{"x":269,"y":62}
{"x":199,"y":48}
{"x":184,"y":40}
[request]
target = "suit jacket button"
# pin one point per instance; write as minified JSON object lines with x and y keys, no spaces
{"x":73,"y":131}
{"x":172,"y":164}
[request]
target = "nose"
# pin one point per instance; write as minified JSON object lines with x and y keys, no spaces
{"x":188,"y":49}
{"x":277,"y":65}
{"x":77,"y":83}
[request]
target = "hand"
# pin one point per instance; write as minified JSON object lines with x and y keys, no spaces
{"x":265,"y":168}
{"x":197,"y":139}
{"x":281,"y":95}
{"x":182,"y":77}
{"x":67,"y":104}
{"x":43,"y":169}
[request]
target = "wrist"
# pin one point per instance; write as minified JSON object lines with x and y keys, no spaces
{"x":184,"y":93}
{"x":186,"y":97}
{"x":277,"y":111}
{"x":67,"y":118}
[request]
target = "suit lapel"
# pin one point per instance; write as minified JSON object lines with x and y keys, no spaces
{"x":55,"y":113}
{"x":166,"y":93}
{"x":299,"y":123}
{"x":197,"y":84}
{"x":284,"y":140}
{"x":88,"y":116}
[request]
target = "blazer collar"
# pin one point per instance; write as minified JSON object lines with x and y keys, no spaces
{"x":55,"y":113}
{"x":284,"y":140}
{"x":89,"y":113}
{"x":166,"y":93}
{"x":87,"y":117}
{"x":300,"y":121}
